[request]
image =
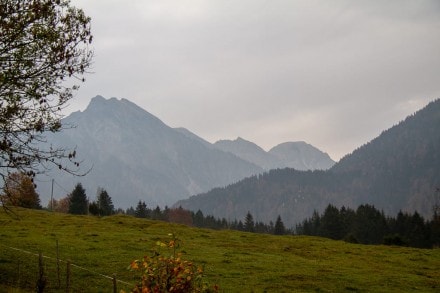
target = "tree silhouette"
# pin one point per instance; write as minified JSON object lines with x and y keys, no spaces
{"x":331,"y":223}
{"x":105,"y":203}
{"x":141,"y":210}
{"x":279,"y":227}
{"x":78,"y":201}
{"x":249,"y":224}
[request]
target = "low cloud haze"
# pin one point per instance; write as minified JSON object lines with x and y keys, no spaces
{"x":332,"y":73}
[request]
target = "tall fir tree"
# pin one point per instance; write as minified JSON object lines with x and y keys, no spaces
{"x":105,"y":203}
{"x":332,"y":226}
{"x":249,"y":225}
{"x":279,"y":227}
{"x":141,"y":210}
{"x":198,"y":218}
{"x":78,"y":201}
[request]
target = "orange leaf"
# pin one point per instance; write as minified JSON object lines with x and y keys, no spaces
{"x":134,"y":265}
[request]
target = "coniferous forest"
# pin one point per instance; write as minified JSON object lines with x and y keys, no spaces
{"x":365,"y":225}
{"x":368,"y":225}
{"x":399,"y":170}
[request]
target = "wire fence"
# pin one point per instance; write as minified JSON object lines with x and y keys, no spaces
{"x":36,"y":272}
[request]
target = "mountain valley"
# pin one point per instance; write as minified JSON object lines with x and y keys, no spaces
{"x":135,"y":156}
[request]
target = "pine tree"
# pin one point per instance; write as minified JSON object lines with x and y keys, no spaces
{"x":130,"y":211}
{"x":435,"y":229}
{"x":279,"y":227}
{"x":370,"y":225}
{"x":249,"y":225}
{"x":141,"y":210}
{"x":156,"y":214}
{"x":332,"y":225}
{"x":78,"y":201}
{"x":198,"y":219}
{"x":94,"y":208}
{"x":105,"y":203}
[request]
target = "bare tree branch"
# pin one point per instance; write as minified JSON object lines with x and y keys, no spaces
{"x":42,"y":44}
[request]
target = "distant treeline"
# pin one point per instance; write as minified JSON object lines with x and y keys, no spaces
{"x":198,"y":219}
{"x":365,"y":225}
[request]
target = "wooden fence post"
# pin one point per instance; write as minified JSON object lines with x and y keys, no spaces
{"x":115,"y":289}
{"x":68,"y":277}
{"x":41,"y":283}
{"x":19,"y":273}
{"x":58,"y":267}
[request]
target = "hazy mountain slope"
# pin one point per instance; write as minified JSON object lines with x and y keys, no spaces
{"x":287,"y":192}
{"x":302,"y":156}
{"x":250,"y":152}
{"x":401,"y":167}
{"x":191,"y":135}
{"x":398,"y":170}
{"x":136,"y":156}
{"x":297,"y":155}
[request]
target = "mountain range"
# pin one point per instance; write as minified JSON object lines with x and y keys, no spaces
{"x":135,"y":156}
{"x":398,"y":170}
{"x":297,"y":155}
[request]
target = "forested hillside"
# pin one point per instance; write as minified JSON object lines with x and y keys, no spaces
{"x":399,"y":170}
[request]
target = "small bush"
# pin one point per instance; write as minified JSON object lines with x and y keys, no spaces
{"x":394,"y":239}
{"x":350,"y":238}
{"x":168,"y":273}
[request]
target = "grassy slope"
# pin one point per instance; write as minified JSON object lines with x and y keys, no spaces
{"x":237,"y":262}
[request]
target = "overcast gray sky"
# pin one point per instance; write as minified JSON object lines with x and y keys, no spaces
{"x":332,"y":73}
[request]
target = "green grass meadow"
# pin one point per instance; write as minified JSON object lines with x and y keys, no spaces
{"x":236,"y":261}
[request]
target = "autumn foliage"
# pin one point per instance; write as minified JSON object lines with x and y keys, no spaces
{"x":160,"y":272}
{"x":20,"y":191}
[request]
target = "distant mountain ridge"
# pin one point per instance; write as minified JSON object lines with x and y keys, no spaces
{"x":298,"y":155}
{"x":250,"y":152}
{"x":399,"y":170}
{"x":135,"y":156}
{"x":302,"y":156}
